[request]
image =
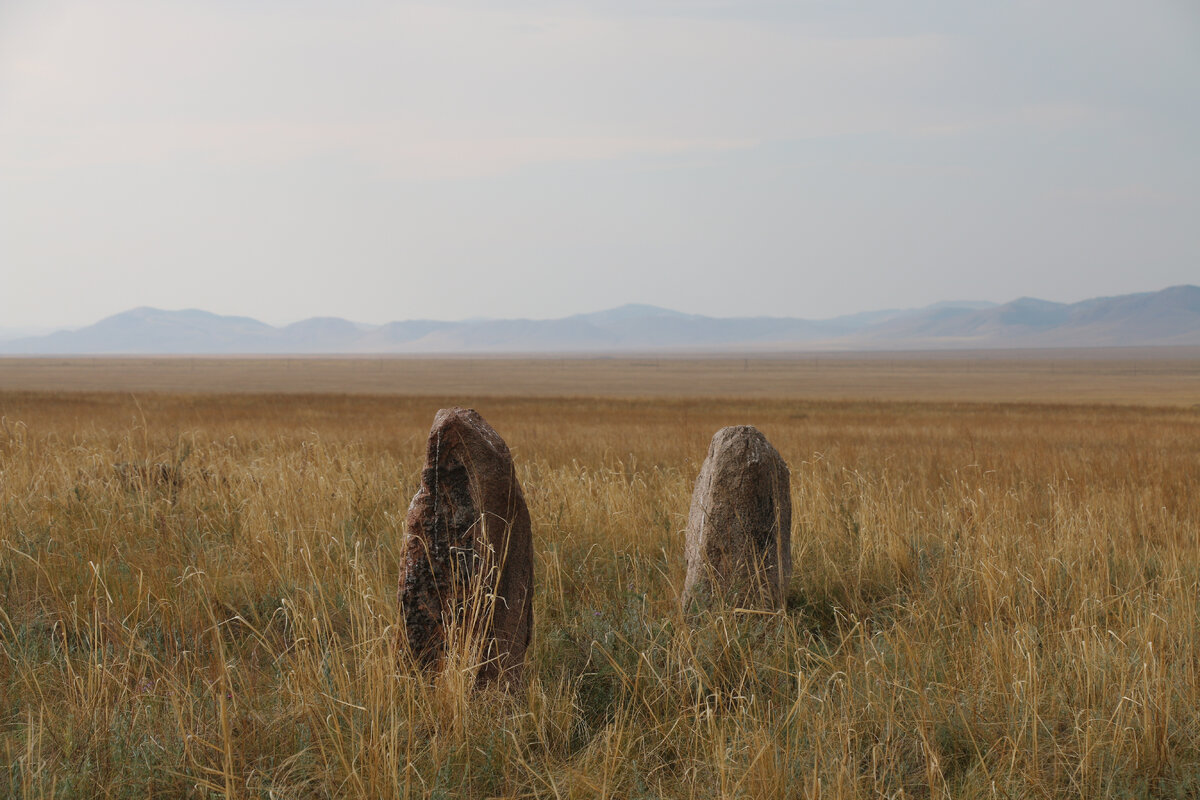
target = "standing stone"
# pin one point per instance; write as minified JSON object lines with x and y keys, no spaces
{"x":739,"y":526}
{"x":467,"y":570}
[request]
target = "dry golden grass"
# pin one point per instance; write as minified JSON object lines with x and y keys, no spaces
{"x":989,"y":600}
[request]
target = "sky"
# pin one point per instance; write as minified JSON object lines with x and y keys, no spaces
{"x":380,"y":161}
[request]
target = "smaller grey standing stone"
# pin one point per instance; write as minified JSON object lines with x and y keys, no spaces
{"x":739,"y":526}
{"x":468,"y":553}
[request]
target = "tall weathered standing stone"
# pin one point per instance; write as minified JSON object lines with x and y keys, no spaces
{"x":739,"y":526}
{"x":467,"y":572}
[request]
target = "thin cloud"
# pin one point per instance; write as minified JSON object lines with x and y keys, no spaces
{"x":795,"y":158}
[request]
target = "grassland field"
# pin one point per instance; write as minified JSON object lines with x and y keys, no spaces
{"x":1141,"y":376}
{"x":996,"y":587}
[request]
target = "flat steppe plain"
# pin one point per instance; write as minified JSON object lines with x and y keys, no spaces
{"x":996,"y":588}
{"x":1144,"y":376}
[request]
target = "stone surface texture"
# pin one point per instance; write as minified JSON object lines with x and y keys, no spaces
{"x":739,"y":526}
{"x":467,"y":569}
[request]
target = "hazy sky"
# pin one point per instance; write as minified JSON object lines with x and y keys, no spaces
{"x":379,"y":161}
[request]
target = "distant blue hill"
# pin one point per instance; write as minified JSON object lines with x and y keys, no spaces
{"x":1167,"y":317}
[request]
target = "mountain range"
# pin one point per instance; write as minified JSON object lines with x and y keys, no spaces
{"x":1167,"y":317}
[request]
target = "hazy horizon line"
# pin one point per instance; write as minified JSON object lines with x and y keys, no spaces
{"x":21,"y":331}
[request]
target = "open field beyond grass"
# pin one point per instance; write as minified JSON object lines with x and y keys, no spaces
{"x":989,"y":599}
{"x":1143,"y":376}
